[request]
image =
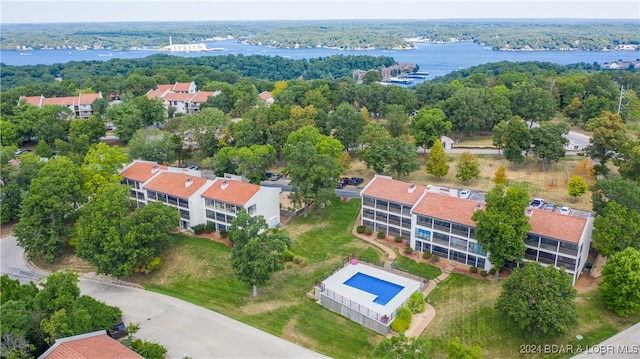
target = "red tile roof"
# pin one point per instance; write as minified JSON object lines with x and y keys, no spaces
{"x":88,"y":98}
{"x":82,"y":99}
{"x":93,"y":347}
{"x":181,"y":86}
{"x":181,"y":97}
{"x":176,"y":184}
{"x":33,"y":100}
{"x":202,"y":96}
{"x":555,"y":225}
{"x":141,"y":171}
{"x":393,"y":190}
{"x":235,"y":192}
{"x":446,"y":207}
{"x":265,"y":95}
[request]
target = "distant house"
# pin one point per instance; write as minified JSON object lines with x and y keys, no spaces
{"x":81,"y":105}
{"x":96,"y":345}
{"x":184,"y":97}
{"x":199,"y":200}
{"x":266,"y":97}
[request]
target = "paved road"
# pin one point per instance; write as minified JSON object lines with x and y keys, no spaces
{"x":183,"y":328}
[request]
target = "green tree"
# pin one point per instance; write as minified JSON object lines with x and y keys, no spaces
{"x":616,"y":228}
{"x":152,"y":144}
{"x":457,"y":350}
{"x":16,"y":187}
{"x":101,"y":167}
{"x":500,"y":176}
{"x":516,"y":139}
{"x":539,"y":299}
{"x":396,"y":120}
{"x":577,"y":186}
{"x":43,"y":149}
{"x":468,"y":167}
{"x":348,"y":125}
{"x":252,"y":162}
{"x":502,"y":226}
{"x":399,"y":346}
{"x":401,"y":157}
{"x":127,"y":119}
{"x":205,"y":131}
{"x":371,"y":76}
{"x":621,"y":190}
{"x":49,"y":208}
{"x":609,"y":137}
{"x":8,"y":134}
{"x":151,"y":109}
{"x":437,"y":164}
{"x":498,"y":135}
{"x":548,"y":142}
{"x":148,"y":350}
{"x":620,"y":286}
{"x":533,"y":104}
{"x":629,"y":161}
{"x":53,"y":123}
{"x":244,"y":227}
{"x":429,"y":126}
{"x":254,"y":260}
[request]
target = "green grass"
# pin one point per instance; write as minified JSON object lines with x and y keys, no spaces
{"x":424,"y":270}
{"x":198,"y":271}
{"x":466,"y":309}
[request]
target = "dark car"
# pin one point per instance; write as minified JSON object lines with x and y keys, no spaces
{"x":343,"y":182}
{"x":356,"y":181}
{"x":267,"y":175}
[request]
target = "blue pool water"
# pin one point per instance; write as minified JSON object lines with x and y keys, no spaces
{"x":383,"y":289}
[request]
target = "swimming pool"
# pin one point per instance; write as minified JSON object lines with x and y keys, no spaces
{"x":385,"y":291}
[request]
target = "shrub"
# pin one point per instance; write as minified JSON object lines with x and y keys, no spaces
{"x":300,"y":260}
{"x":435,"y":258}
{"x":360,"y":229}
{"x":210,"y":227}
{"x":198,"y":229}
{"x":408,"y":250}
{"x":426,"y":255}
{"x":492,"y":271}
{"x":402,"y":322}
{"x":483,"y":273}
{"x":224,"y":233}
{"x":288,"y":255}
{"x":368,"y":231}
{"x":397,"y":239}
{"x":381,"y":235}
{"x":416,"y":302}
{"x":473,"y":269}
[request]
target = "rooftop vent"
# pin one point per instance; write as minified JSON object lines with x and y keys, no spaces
{"x":411,"y":188}
{"x":478,"y":206}
{"x":188,"y":182}
{"x":155,"y":169}
{"x":528,"y":212}
{"x":224,"y":184}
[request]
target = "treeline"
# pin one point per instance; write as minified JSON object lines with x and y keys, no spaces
{"x":110,"y":76}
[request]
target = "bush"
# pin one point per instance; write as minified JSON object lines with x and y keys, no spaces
{"x":368,"y":231}
{"x":300,"y":260}
{"x":210,"y":227}
{"x":397,"y":239}
{"x":416,"y":302}
{"x":198,"y":229}
{"x":402,"y":322}
{"x":381,"y":235}
{"x":288,"y":255}
{"x":224,"y":233}
{"x":492,"y":271}
{"x":426,"y":255}
{"x":483,"y":273}
{"x":360,"y":229}
{"x":435,"y":258}
{"x":408,"y":250}
{"x":473,"y":269}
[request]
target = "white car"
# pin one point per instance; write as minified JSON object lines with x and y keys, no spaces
{"x":465,"y":193}
{"x":564,"y":210}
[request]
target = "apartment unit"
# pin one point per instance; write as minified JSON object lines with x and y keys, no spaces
{"x":184,"y":97}
{"x":439,"y":222}
{"x":81,"y":105}
{"x":200,"y":200}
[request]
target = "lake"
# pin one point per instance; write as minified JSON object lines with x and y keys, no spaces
{"x":437,"y":59}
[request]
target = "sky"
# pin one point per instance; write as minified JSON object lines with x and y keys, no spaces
{"x":52,"y":11}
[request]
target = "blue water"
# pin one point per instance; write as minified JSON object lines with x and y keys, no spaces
{"x":437,"y":59}
{"x":383,"y":289}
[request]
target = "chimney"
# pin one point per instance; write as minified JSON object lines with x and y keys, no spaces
{"x":224,"y":184}
{"x":155,"y":169}
{"x":411,"y":188}
{"x":188,"y":182}
{"x":478,"y":206}
{"x":528,"y":212}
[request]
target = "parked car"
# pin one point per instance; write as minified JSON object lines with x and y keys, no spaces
{"x":193,"y":167}
{"x":536,"y":203}
{"x":465,"y":193}
{"x":355,"y":181}
{"x":549,"y":206}
{"x":20,"y":151}
{"x":275,"y":176}
{"x":267,"y":175}
{"x":343,"y":182}
{"x":564,"y":210}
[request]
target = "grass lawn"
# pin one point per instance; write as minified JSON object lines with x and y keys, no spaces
{"x":198,"y":271}
{"x":424,"y":270}
{"x":465,"y":308}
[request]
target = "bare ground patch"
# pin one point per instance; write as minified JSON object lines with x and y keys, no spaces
{"x":255,"y":308}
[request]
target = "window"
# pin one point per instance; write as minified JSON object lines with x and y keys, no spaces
{"x":381,"y":216}
{"x":481,"y":262}
{"x":458,"y":257}
{"x":459,"y":243}
{"x":459,"y":229}
{"x":423,"y":234}
{"x":476,"y":248}
{"x":424,"y":221}
{"x":368,"y":213}
{"x":547,"y":243}
{"x":441,"y":238}
{"x":152,"y":195}
{"x":211,"y":214}
{"x":395,"y":208}
{"x":394,"y":220}
{"x":441,"y":225}
{"x":406,"y":223}
{"x":251,"y":210}
{"x":442,"y":252}
{"x":183,"y":203}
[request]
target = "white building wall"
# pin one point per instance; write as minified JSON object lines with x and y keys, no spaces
{"x":197,"y":211}
{"x":267,"y":201}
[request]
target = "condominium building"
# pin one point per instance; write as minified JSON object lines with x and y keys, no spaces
{"x":81,"y":105}
{"x":200,"y":200}
{"x":439,"y":222}
{"x":183,"y":97}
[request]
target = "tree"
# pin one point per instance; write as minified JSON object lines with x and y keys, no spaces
{"x":502,"y":226}
{"x":101,"y":167}
{"x":473,"y":109}
{"x":396,"y":120}
{"x":437,"y":164}
{"x":205,"y":131}
{"x":516,"y":139}
{"x":16,"y":187}
{"x":616,"y":228}
{"x":127,"y":119}
{"x":468,"y":167}
{"x":533,"y":104}
{"x":43,"y":150}
{"x":399,"y":346}
{"x":48,"y":209}
{"x":53,"y":123}
{"x":8,"y":134}
{"x":609,"y":137}
{"x":539,"y":299}
{"x":498,"y":135}
{"x":152,"y":144}
{"x":151,"y":109}
{"x":620,"y":286}
{"x":621,"y":190}
{"x":244,"y":227}
{"x":577,"y":186}
{"x":457,"y":350}
{"x":252,"y":162}
{"x":148,"y":350}
{"x":548,"y":142}
{"x":256,"y":254}
{"x":401,"y":157}
{"x":348,"y":125}
{"x":371,"y":77}
{"x":585,"y":170}
{"x":629,"y":161}
{"x":429,"y":126}
{"x":500,"y":176}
